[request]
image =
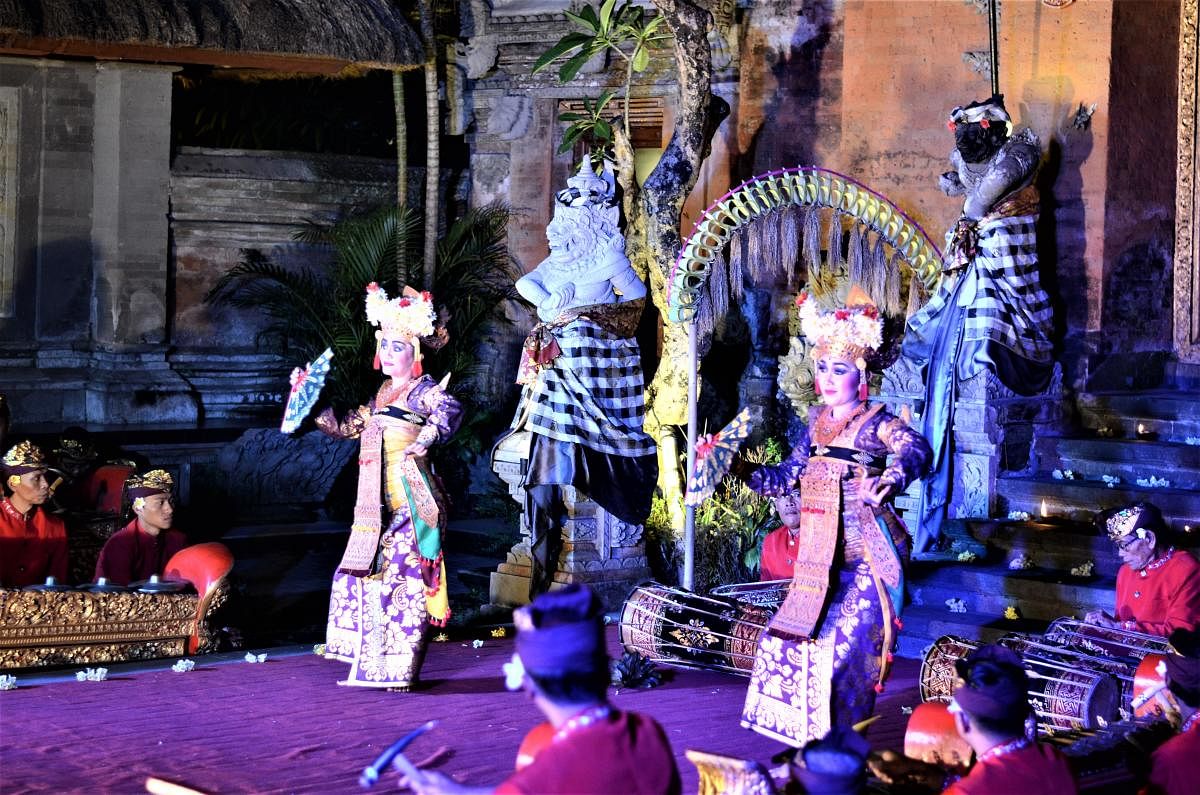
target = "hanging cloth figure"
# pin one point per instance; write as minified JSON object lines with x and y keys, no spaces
{"x":990,"y":312}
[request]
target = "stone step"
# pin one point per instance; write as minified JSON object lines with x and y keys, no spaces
{"x":924,"y":625}
{"x":1053,"y":545}
{"x":1174,"y":414}
{"x":1081,"y":499}
{"x":989,"y":589}
{"x":1127,"y":459}
{"x":1183,"y":375}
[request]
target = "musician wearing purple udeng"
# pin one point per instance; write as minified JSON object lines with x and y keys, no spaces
{"x":990,"y":709}
{"x":596,"y":749}
{"x":33,"y":544}
{"x":1158,"y":586}
{"x":145,"y":545}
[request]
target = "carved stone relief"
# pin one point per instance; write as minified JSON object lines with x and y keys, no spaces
{"x":1187,"y":261}
{"x":974,"y":487}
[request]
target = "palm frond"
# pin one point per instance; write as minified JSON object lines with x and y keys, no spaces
{"x":309,"y":310}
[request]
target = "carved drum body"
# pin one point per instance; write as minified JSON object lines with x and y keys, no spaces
{"x":677,"y":627}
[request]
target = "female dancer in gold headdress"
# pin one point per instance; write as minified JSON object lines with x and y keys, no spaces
{"x":391,"y":582}
{"x":825,"y":654}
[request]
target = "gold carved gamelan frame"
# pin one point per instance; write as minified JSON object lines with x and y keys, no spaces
{"x":75,"y":627}
{"x":1187,"y":250}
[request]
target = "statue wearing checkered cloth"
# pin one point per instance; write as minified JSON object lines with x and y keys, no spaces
{"x":990,"y":312}
{"x":582,"y":373}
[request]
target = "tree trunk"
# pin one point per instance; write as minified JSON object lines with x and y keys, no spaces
{"x":401,"y":169}
{"x":656,"y":236}
{"x":433,"y":137}
{"x":401,"y":139}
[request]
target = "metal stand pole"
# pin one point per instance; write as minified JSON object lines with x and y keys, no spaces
{"x":689,"y":515}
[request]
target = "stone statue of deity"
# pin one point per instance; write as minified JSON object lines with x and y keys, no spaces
{"x":988,"y":164}
{"x":990,"y":313}
{"x":581,"y":370}
{"x":587,"y":263}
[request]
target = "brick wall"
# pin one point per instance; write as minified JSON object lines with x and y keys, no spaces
{"x":225,"y":201}
{"x":864,"y":87}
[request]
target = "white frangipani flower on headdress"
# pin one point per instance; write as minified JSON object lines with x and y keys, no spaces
{"x":411,"y":315}
{"x":854,"y":332}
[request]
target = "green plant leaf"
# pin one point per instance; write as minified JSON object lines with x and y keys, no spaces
{"x":603,"y":130}
{"x":641,"y":59}
{"x":568,"y":43}
{"x":571,"y":68}
{"x":569,"y":137}
{"x":606,"y":13}
{"x":588,"y":15}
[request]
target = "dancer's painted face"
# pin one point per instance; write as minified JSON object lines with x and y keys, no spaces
{"x":838,"y":379}
{"x":396,"y":357}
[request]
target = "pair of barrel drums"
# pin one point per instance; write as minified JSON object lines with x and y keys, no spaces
{"x":1081,"y":676}
{"x":716,"y":631}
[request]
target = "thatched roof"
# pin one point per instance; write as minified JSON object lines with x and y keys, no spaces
{"x":281,"y":35}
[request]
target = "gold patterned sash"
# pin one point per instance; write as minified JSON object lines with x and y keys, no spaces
{"x":820,"y":521}
{"x":368,"y":511}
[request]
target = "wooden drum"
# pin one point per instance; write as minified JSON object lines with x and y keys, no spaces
{"x":677,"y":627}
{"x":1063,"y":694}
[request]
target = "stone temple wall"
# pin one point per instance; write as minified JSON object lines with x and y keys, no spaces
{"x":224,"y":202}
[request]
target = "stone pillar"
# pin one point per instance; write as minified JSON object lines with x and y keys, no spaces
{"x":130,"y":256}
{"x":598,"y":548}
{"x":994,"y":430}
{"x":130,"y":190}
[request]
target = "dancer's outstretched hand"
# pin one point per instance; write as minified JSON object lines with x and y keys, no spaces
{"x":871,"y":491}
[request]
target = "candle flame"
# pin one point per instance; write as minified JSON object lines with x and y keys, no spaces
{"x":1045,"y":513}
{"x":1141,"y":428}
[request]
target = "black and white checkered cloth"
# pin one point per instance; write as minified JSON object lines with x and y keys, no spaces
{"x":1003,"y":297}
{"x":590,"y":394}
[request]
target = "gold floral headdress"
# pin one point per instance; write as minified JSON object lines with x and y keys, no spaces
{"x":156,"y":481}
{"x":411,"y":315}
{"x":24,"y":457}
{"x":853,"y":332}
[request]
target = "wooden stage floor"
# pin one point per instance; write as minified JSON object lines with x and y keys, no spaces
{"x":285,"y":725}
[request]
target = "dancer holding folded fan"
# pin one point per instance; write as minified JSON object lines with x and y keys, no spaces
{"x":391,"y":583}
